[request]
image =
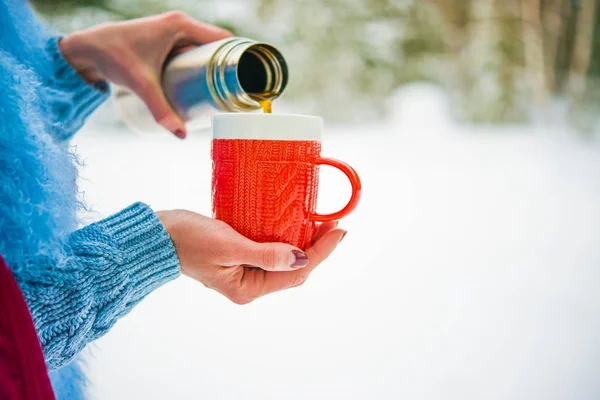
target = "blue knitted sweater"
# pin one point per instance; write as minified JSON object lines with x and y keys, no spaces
{"x":77,"y":282}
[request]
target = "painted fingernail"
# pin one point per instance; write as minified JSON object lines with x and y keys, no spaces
{"x":343,"y":236}
{"x":180,"y":134}
{"x":299,"y":259}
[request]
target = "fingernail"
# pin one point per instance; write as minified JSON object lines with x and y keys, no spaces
{"x":173,"y":125}
{"x":343,"y":236}
{"x":180,"y":134}
{"x":299,"y":259}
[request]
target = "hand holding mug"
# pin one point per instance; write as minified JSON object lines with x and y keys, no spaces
{"x":267,"y":235}
{"x":213,"y":253}
{"x":266,"y":176}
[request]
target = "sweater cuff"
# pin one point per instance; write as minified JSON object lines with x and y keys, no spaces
{"x":149,"y":257}
{"x":80,"y":98}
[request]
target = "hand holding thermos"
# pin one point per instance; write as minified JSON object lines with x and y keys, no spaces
{"x":133,"y":53}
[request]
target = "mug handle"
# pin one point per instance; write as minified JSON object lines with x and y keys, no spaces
{"x":356,"y":190}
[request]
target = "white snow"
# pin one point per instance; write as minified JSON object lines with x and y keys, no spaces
{"x":470,"y":271}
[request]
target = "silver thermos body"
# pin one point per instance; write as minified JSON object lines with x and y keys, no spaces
{"x":229,"y":75}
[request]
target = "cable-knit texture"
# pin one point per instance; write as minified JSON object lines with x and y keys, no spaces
{"x":77,"y":282}
{"x":111,"y":265}
{"x":266,"y":189}
{"x":71,"y":100}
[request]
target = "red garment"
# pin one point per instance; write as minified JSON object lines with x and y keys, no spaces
{"x":23,"y":373}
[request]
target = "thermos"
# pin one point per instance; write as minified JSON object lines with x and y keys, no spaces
{"x":229,"y":75}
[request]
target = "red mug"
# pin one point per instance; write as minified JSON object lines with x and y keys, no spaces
{"x":266,"y":175}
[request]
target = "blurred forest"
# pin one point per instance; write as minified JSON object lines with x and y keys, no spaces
{"x":501,"y":61}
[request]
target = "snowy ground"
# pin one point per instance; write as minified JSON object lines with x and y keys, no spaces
{"x":470,"y":271}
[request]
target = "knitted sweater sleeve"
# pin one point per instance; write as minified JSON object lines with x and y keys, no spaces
{"x":69,"y":100}
{"x":111,"y":265}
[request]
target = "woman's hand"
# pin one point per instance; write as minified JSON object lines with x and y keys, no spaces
{"x":211,"y":252}
{"x":132,"y":54}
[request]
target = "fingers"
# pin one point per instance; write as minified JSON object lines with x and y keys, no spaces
{"x":180,"y":50}
{"x":323,"y":228}
{"x":266,"y":256}
{"x":199,"y":33}
{"x":150,"y":91}
{"x":245,"y":285}
{"x":190,"y":32}
{"x":242,"y":284}
{"x":274,"y":282}
{"x":273,"y":256}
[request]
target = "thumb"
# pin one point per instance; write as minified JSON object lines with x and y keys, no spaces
{"x":273,"y":257}
{"x":152,"y":95}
